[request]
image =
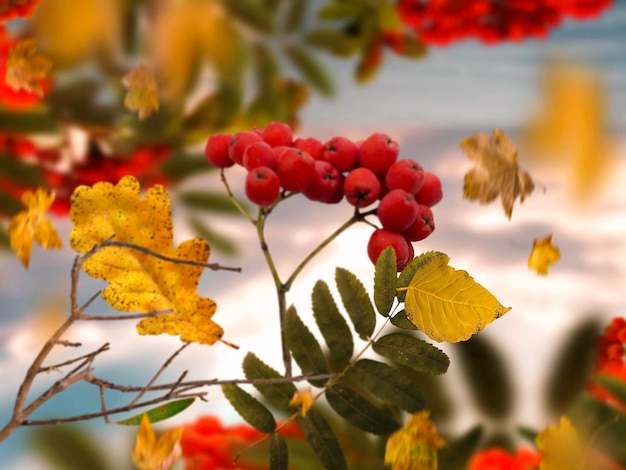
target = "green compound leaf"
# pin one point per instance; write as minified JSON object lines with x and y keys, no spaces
{"x":322,"y":440}
{"x":333,"y":41}
{"x":304,"y":347}
{"x":279,"y":454}
{"x":388,"y":384}
{"x":359,"y":411}
{"x":213,"y":201}
{"x":385,"y":280}
{"x":400,"y":320}
{"x":356,"y":302}
{"x":339,"y":11}
{"x":311,"y":70}
{"x":159,"y":413}
{"x":253,"y":14}
{"x":296,"y":12}
{"x":456,"y":453}
{"x":332,"y":325}
{"x":249,"y":408}
{"x":217,"y":241}
{"x":412,"y":352}
{"x":277,"y":394}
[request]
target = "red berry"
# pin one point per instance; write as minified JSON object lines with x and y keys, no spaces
{"x":423,"y":226}
{"x":277,"y":133}
{"x":295,"y":169}
{"x":361,"y":187}
{"x":430,"y":193}
{"x":397,"y":210}
{"x":310,"y":145}
{"x":409,"y":259}
{"x":241,"y":140}
{"x":326,"y":185}
{"x":381,"y":239}
{"x":216,"y":150}
{"x":259,"y":154}
{"x":378,"y":152}
{"x":262,"y":186}
{"x":340,"y":153}
{"x":405,"y":174}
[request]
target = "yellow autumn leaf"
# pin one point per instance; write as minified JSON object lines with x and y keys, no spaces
{"x":32,"y":224}
{"x":495,"y":171}
{"x":304,"y":399}
{"x":560,"y":447}
{"x":152,"y":454}
{"x":446,"y":304}
{"x":25,"y":68}
{"x":138,"y":281}
{"x":414,"y":446}
{"x":543,"y":254}
{"x":143,"y":92}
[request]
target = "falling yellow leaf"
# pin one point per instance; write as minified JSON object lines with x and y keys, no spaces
{"x":495,"y":171}
{"x":560,"y":447}
{"x":143,"y":92}
{"x":152,"y":454}
{"x":304,"y":399}
{"x":25,"y":68}
{"x":544,"y":254}
{"x":32,"y":224}
{"x":446,"y":304}
{"x":414,"y":446}
{"x":138,"y":281}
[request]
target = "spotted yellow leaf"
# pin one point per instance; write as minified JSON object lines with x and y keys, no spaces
{"x":446,"y":304}
{"x":495,"y":171}
{"x":414,"y":446}
{"x":25,"y":68}
{"x":32,"y":225}
{"x":139,"y":281}
{"x":543,"y":254}
{"x":152,"y":454}
{"x":143,"y":91}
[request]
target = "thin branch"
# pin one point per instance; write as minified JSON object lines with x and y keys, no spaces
{"x":68,"y":344}
{"x":89,"y":301}
{"x":91,"y":355}
{"x":132,"y":316}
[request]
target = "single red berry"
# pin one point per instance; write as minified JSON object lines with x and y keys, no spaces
{"x":410,"y":257}
{"x":310,"y":145}
{"x":340,"y":153}
{"x":405,"y":174}
{"x":216,"y":150}
{"x":326,"y":185}
{"x":381,"y":239}
{"x":262,"y":186}
{"x":361,"y":187}
{"x":277,"y":133}
{"x":430,"y":193}
{"x":259,"y":154}
{"x":239,"y":143}
{"x":397,"y":210}
{"x":295,"y":169}
{"x":423,"y":226}
{"x":378,"y":152}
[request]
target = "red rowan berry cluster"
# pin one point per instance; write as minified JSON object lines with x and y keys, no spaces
{"x":364,"y":172}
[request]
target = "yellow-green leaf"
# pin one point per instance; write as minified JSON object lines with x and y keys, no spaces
{"x":446,"y":304}
{"x":143,"y":92}
{"x":414,"y":446}
{"x":543,"y":254}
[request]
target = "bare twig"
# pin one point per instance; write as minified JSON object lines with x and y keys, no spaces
{"x":102,"y":349}
{"x":130,"y":316}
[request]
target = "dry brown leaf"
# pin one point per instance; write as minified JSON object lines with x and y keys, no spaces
{"x":143,"y":91}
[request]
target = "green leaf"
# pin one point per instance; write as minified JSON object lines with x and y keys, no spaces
{"x":446,"y":304}
{"x":356,"y":302}
{"x":339,"y":11}
{"x":253,"y":14}
{"x":213,"y":201}
{"x":388,"y":384}
{"x":322,"y":440}
{"x":296,"y":12}
{"x":249,"y":408}
{"x":527,"y":433}
{"x":304,"y":347}
{"x":65,"y":446}
{"x":267,"y":69}
{"x":159,"y":413}
{"x":20,"y":173}
{"x":400,"y":320}
{"x":456,"y":453}
{"x":277,"y":394}
{"x":332,"y":325}
{"x":615,"y":386}
{"x":572,"y":366}
{"x":333,"y":41}
{"x":385,"y":280}
{"x":279,"y":454}
{"x":407,"y":274}
{"x":485,"y":371}
{"x":181,"y":166}
{"x":412,"y":47}
{"x":359,"y":411}
{"x":217,"y":241}
{"x":8,"y":204}
{"x":310,"y":69}
{"x":412,"y":352}
{"x":28,"y":123}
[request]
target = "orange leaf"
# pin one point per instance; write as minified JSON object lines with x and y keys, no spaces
{"x":33,"y":225}
{"x":25,"y":69}
{"x":143,"y":92}
{"x":543,"y":254}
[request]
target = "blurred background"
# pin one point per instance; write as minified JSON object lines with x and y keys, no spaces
{"x":555,"y":84}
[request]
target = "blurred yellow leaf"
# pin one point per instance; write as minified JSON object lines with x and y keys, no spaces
{"x":143,"y":92}
{"x":304,"y":399}
{"x":152,"y":454}
{"x":138,"y":281}
{"x":414,"y":446}
{"x":543,"y":254}
{"x":32,"y":224}
{"x":25,"y":68}
{"x":495,"y":171}
{"x":446,"y":304}
{"x":560,"y":447}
